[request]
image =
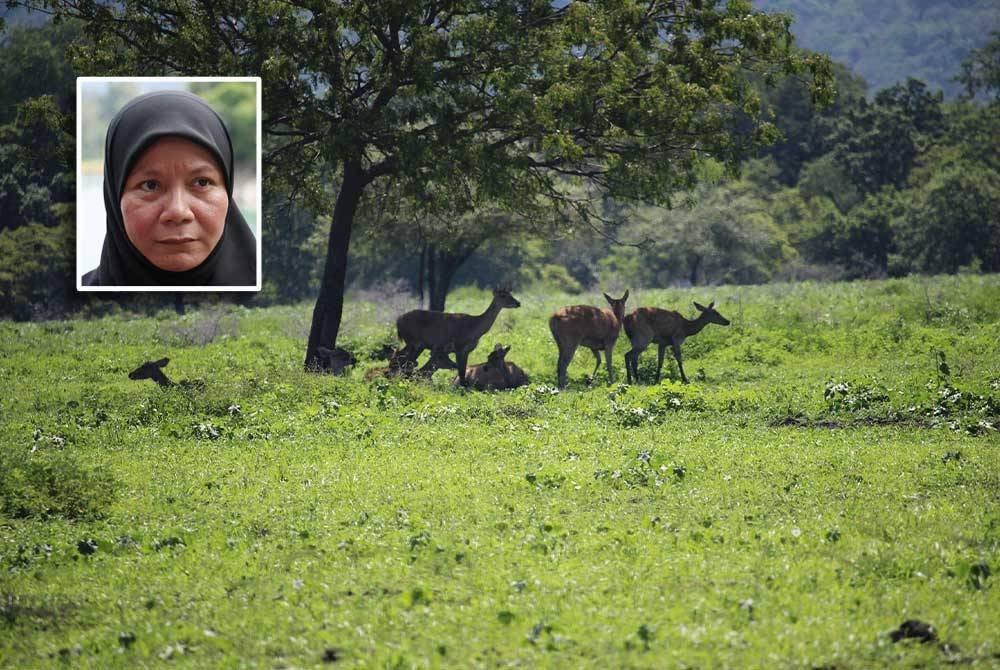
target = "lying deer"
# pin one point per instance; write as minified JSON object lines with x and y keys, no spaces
{"x":495,"y":374}
{"x":335,"y":360}
{"x":649,"y":324}
{"x":153,"y":370}
{"x":592,"y":327}
{"x":423,"y":329}
{"x":401,"y":367}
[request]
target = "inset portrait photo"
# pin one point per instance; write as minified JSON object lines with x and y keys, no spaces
{"x":168,"y":184}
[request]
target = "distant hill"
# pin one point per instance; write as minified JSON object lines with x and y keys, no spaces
{"x":886,"y":41}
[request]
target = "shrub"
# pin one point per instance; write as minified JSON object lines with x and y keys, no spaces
{"x":51,"y":483}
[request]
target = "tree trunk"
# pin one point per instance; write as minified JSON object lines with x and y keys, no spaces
{"x":179,"y":303}
{"x":446,"y":265}
{"x":420,"y":274}
{"x":440,"y":294}
{"x":431,"y":274}
{"x":695,"y":264}
{"x":330,"y":303}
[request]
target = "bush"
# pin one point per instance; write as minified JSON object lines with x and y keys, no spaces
{"x":50,"y":483}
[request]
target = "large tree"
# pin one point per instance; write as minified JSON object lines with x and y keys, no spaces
{"x":877,"y":144}
{"x":517,"y":97}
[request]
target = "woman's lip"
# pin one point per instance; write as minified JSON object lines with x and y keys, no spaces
{"x":177,"y":240}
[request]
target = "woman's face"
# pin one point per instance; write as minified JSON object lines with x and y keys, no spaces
{"x":174,"y":204}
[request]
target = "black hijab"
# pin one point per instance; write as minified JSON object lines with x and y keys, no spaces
{"x":141,"y":122}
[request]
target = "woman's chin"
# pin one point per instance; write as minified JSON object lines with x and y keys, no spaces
{"x":181,"y":262}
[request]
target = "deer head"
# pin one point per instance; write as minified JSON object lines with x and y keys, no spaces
{"x":497,"y":356}
{"x":502,"y":297}
{"x":617,"y":306}
{"x":710,"y":315}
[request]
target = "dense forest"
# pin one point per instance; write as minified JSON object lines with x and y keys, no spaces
{"x":888,"y":182}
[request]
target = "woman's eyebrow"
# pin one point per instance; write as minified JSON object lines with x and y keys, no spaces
{"x":199,"y":164}
{"x":194,"y":165}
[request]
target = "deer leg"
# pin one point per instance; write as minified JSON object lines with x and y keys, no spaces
{"x":409,"y":356}
{"x":659,"y":360}
{"x":636,"y":352}
{"x":597,"y":366}
{"x":632,"y":358}
{"x":461,"y":358}
{"x":565,"y":356}
{"x":607,"y":359}
{"x":680,"y":364}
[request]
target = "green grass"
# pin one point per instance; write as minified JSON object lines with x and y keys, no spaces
{"x":821,"y":480}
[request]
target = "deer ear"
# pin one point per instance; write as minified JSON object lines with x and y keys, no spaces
{"x":711,"y":304}
{"x":162,"y":362}
{"x":506,"y":349}
{"x":625,"y":297}
{"x":608,"y":298}
{"x":700,"y":308}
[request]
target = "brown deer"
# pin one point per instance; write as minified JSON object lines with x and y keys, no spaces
{"x":649,"y":324}
{"x":153,"y":370}
{"x":592,"y":327}
{"x":401,"y":367}
{"x":423,"y":329}
{"x":495,"y":374}
{"x":335,"y":360}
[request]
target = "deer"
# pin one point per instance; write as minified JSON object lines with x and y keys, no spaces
{"x":153,"y":370}
{"x":336,"y":360}
{"x":423,"y":329}
{"x":403,"y":367}
{"x":650,"y":324}
{"x":496,"y":373}
{"x":592,"y":327}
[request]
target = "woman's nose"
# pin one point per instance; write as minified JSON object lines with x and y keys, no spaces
{"x":177,"y":208}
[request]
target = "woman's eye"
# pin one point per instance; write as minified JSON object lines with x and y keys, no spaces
{"x":149,"y":185}
{"x":203,"y":182}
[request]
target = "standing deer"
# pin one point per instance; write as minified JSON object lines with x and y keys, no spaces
{"x":593,"y":327}
{"x":649,"y":324}
{"x":423,"y":329}
{"x":496,"y":373}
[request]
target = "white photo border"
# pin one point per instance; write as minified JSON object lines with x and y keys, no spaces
{"x":80,"y":271}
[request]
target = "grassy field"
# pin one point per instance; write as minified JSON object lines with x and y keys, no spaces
{"x":832,"y":470}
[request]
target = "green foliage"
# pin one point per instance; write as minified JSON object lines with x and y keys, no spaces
{"x":804,"y":127}
{"x":530,"y":72}
{"x":980,"y":72}
{"x":952,"y":222}
{"x":33,"y":64}
{"x":36,"y":124}
{"x":48,"y":482}
{"x":292,"y":248}
{"x":236,"y":104}
{"x":522,"y":527}
{"x":36,"y":271}
{"x":724,"y":234}
{"x":878,"y":144}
